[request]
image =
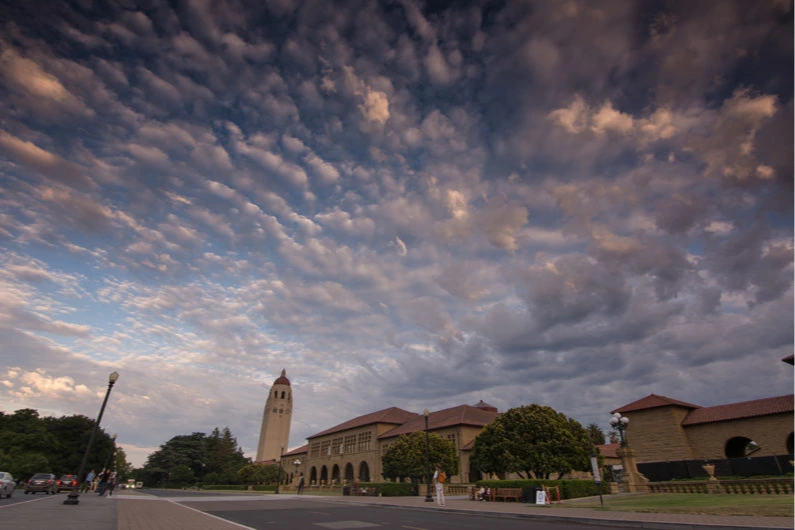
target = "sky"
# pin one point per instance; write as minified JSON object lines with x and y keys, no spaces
{"x":406,"y":204}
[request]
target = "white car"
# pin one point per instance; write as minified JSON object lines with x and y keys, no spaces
{"x":7,"y":484}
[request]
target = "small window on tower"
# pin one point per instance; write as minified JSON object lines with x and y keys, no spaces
{"x":282,"y":394}
{"x":275,"y":393}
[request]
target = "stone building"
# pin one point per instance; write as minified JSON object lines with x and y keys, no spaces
{"x":665,"y":429}
{"x":274,"y":433}
{"x":351,"y":451}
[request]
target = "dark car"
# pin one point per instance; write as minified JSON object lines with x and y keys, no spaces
{"x":67,"y":483}
{"x":42,"y":482}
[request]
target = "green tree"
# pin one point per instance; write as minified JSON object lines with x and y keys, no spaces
{"x":258,"y":474}
{"x":532,"y":441}
{"x":120,"y":464}
{"x":595,"y":434}
{"x":56,"y":444}
{"x":405,"y":459}
{"x":180,"y":476}
{"x":217,"y":454}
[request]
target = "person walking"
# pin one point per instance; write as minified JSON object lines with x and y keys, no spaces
{"x":103,"y":482}
{"x":439,"y":478}
{"x":89,"y":480}
{"x":301,"y":483}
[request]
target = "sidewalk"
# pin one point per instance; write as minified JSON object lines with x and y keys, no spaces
{"x":140,"y":511}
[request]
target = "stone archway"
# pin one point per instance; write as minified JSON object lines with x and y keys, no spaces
{"x":323,"y":475}
{"x":364,"y":472}
{"x":335,"y":474}
{"x":349,"y":476}
{"x":738,"y":447}
{"x":789,"y":444}
{"x":313,"y":475}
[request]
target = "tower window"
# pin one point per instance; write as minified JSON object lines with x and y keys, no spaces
{"x":275,"y":393}
{"x":282,"y":394}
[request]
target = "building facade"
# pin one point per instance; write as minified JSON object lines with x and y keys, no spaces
{"x":665,"y":429}
{"x":277,"y":416}
{"x":352,"y":451}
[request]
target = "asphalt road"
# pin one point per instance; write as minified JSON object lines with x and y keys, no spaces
{"x":306,"y":514}
{"x":317,"y":516}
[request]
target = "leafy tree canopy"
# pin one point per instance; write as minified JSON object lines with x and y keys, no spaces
{"x":259,"y":474}
{"x":532,"y":441}
{"x":32,"y":444}
{"x":595,"y":434}
{"x":217,"y":455}
{"x":405,"y":458}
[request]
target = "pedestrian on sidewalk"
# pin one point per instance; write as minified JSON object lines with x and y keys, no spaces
{"x":439,"y":478}
{"x":301,"y":483}
{"x":111,"y":484}
{"x":89,"y":479}
{"x":103,"y":482}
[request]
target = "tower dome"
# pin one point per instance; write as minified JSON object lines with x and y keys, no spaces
{"x":282,"y":379}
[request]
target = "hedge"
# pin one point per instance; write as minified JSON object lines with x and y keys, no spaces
{"x":232,"y":487}
{"x":392,"y":489}
{"x":569,"y":489}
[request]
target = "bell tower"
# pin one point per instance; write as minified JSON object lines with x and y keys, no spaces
{"x":275,"y":431}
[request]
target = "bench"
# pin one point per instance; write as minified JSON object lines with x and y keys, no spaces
{"x":506,"y":494}
{"x":365,"y":492}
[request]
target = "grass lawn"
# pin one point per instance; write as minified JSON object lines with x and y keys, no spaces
{"x":706,"y":504}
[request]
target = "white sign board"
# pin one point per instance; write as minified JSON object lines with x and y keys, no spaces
{"x":595,"y":470}
{"x":541,"y":497}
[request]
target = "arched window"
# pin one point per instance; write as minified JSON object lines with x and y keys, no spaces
{"x":282,"y":394}
{"x":364,"y":472}
{"x":335,"y":474}
{"x":275,"y":393}
{"x":313,"y":475}
{"x":739,"y":447}
{"x":349,"y":471}
{"x":323,"y":475}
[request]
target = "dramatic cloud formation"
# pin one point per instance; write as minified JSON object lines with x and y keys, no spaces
{"x":567,"y":203}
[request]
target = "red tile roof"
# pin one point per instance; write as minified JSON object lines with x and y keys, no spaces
{"x":608,"y":450}
{"x":745,"y":409}
{"x":299,"y":451}
{"x":282,"y":379}
{"x":652,"y":401}
{"x":392,"y":415}
{"x":460,"y":415}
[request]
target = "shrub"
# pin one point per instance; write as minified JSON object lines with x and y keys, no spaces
{"x":229,"y":487}
{"x":392,"y":489}
{"x":569,"y":489}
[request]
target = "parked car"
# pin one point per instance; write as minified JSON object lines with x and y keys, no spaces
{"x":67,"y":483}
{"x":7,"y":484}
{"x":42,"y":482}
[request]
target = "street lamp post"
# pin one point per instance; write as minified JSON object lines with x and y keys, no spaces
{"x":112,"y":452}
{"x":72,"y":498}
{"x":619,"y":423}
{"x":428,"y":497}
{"x":279,"y":479}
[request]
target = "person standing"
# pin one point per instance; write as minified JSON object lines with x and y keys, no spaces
{"x":301,"y":483}
{"x":439,"y":478}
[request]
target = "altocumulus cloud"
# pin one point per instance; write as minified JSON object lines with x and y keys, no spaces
{"x":415,"y":206}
